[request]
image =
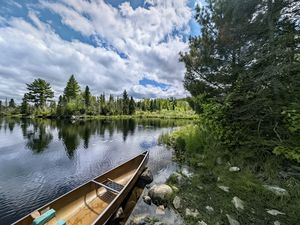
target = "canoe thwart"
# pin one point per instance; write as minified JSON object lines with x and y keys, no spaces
{"x":107,"y":187}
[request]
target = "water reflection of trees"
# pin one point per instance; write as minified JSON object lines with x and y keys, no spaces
{"x":39,"y":133}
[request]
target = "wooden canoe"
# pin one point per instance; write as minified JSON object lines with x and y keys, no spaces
{"x":95,"y":201}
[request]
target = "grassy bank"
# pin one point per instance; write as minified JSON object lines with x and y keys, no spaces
{"x":198,"y":147}
{"x":163,"y":114}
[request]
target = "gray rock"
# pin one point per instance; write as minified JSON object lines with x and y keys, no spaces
{"x":147,"y":176}
{"x":234,"y":169}
{"x":119,"y":214}
{"x":274,"y":212}
{"x":160,"y":193}
{"x":238,"y":203}
{"x":177,"y":177}
{"x":139,"y":219}
{"x":199,"y":187}
{"x":276,"y":190}
{"x":224,"y":188}
{"x":231,"y":220}
{"x":160,"y":210}
{"x":191,"y":212}
{"x":185,"y":171}
{"x":276,"y":222}
{"x":209,"y":209}
{"x":147,"y":199}
{"x":201,"y":223}
{"x":177,"y":202}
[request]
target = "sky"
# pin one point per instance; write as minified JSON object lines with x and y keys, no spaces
{"x":109,"y":45}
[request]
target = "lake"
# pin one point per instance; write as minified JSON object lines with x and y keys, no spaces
{"x":43,"y":159}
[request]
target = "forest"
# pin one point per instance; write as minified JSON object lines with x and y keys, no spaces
{"x":39,"y":102}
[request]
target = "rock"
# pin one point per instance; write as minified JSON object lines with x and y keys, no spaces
{"x":219,"y":160}
{"x":201,"y":223}
{"x":224,"y":188}
{"x":209,"y":209}
{"x":119,"y":214}
{"x":175,"y":189}
{"x":234,"y":169}
{"x":199,"y":187}
{"x":276,"y":190}
{"x":238,"y":203}
{"x":160,"y":193}
{"x":276,"y":222}
{"x":177,"y":202}
{"x":185,"y":171}
{"x":177,"y":177}
{"x":147,"y":176}
{"x":191,"y":212}
{"x":139,"y":220}
{"x":160,"y":210}
{"x":274,"y":212}
{"x":147,"y":199}
{"x":231,"y":220}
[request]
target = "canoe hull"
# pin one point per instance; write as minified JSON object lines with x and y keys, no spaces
{"x":127,"y":174}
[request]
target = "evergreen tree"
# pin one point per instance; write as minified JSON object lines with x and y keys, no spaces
{"x":12,"y":103}
{"x":25,"y":105}
{"x":1,"y":107}
{"x":131,"y":106}
{"x":125,"y":100}
{"x":87,"y":97}
{"x":72,"y":89}
{"x":39,"y":92}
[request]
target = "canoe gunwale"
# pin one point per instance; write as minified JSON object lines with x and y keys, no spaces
{"x":145,"y":158}
{"x":125,"y":188}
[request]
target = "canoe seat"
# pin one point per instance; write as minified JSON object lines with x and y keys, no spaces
{"x":110,"y":185}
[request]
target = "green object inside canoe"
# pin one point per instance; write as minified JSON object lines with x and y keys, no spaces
{"x":44,"y":218}
{"x":61,"y":222}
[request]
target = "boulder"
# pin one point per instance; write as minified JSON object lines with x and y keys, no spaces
{"x":224,"y":188}
{"x":274,"y":212}
{"x":160,"y":210}
{"x":147,"y":176}
{"x":276,"y":222}
{"x":234,"y":169}
{"x":276,"y":190}
{"x":201,"y":223}
{"x":139,"y":219}
{"x":191,"y":212}
{"x":177,"y":202}
{"x":177,"y":177}
{"x":232,"y":221}
{"x":160,"y":193}
{"x":147,"y":199}
{"x":238,"y":203}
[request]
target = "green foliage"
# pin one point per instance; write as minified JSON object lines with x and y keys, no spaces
{"x":39,"y":92}
{"x":243,"y":71}
{"x":72,"y":89}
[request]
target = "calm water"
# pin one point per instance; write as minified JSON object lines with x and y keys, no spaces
{"x":42,"y":159}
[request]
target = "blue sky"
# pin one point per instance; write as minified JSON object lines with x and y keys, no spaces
{"x":109,"y":45}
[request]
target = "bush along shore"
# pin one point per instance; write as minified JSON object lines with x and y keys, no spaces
{"x":218,"y":186}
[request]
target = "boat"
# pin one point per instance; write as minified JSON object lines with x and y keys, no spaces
{"x":93,"y":202}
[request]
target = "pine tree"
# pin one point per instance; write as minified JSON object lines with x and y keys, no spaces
{"x":87,"y":97}
{"x":125,"y":100}
{"x":12,"y":103}
{"x":72,"y":89}
{"x":39,"y":92}
{"x":25,"y":105}
{"x":131,"y":106}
